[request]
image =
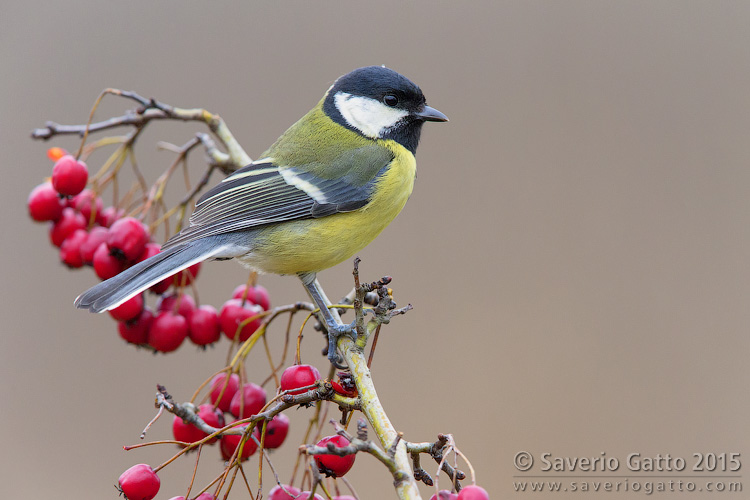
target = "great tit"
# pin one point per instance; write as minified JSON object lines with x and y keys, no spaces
{"x":322,"y":192}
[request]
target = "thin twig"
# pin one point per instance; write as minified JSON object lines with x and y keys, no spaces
{"x":149,"y":110}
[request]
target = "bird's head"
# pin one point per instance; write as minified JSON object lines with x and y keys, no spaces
{"x":379,"y":103}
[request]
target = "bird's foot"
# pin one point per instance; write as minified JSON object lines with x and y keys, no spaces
{"x":336,"y":330}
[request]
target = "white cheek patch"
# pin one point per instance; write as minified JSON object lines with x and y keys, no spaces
{"x":367,"y":115}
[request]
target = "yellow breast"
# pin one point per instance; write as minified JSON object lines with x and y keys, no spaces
{"x":312,"y":245}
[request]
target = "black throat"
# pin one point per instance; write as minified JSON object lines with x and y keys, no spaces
{"x":406,"y":132}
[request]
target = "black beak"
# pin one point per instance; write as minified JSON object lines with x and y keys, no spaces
{"x":429,"y":114}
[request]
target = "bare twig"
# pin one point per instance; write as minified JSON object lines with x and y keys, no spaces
{"x":148,"y":426}
{"x":438,"y":450}
{"x":149,"y":110}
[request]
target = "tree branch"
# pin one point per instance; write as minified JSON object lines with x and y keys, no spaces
{"x":149,"y":110}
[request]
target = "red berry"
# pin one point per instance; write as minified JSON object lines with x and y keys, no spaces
{"x":261,"y":297}
{"x":135,"y":331}
{"x":229,"y":443}
{"x":239,"y":293}
{"x":86,"y":202}
{"x":233,"y":313}
{"x":139,"y":482}
{"x":204,"y":325}
{"x":95,"y":237}
{"x":44,"y":203}
{"x":473,"y":492}
{"x":70,"y":250}
{"x":66,"y":225}
{"x":130,"y":309}
{"x":278,"y":493}
{"x":182,"y":304}
{"x":256,"y":294}
{"x":217,"y":386}
{"x":334,"y":465}
{"x":184,"y":432}
{"x":205,"y":496}
{"x":108,"y":216}
{"x":297,"y":376}
{"x":127,"y":238}
{"x":444,"y":495}
{"x":276,"y":430}
{"x":345,"y":386}
{"x":167,"y":331}
{"x":307,"y":494}
{"x":189,"y":433}
{"x":105,"y":265}
{"x":346,"y":379}
{"x":345,"y":497}
{"x":212,"y":416}
{"x":248,"y":401}
{"x":69,"y":176}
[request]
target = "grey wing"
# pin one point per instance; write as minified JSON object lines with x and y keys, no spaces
{"x":264,"y":193}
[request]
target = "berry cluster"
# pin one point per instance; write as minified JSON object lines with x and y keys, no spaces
{"x":178,"y":317}
{"x":229,"y":397}
{"x":242,"y":401}
{"x":104,"y":238}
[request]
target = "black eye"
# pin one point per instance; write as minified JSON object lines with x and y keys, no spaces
{"x":390,"y":100}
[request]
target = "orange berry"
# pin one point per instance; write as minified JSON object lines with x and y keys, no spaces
{"x":55,"y":153}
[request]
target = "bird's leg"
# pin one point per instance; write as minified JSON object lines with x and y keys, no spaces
{"x":330,"y":316}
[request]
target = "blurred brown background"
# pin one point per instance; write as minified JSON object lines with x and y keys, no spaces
{"x":575,"y":249}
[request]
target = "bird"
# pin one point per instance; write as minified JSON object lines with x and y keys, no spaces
{"x":321,"y":193}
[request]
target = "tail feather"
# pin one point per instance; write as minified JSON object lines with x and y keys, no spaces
{"x":114,"y":291}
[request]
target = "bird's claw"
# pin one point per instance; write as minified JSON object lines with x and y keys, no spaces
{"x":339,"y":329}
{"x":336,"y":330}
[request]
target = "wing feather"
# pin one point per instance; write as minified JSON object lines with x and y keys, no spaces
{"x":265,"y":193}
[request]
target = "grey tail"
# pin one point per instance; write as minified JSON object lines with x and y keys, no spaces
{"x":132,"y":281}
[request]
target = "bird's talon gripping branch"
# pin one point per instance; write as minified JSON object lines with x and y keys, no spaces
{"x":339,"y":329}
{"x":328,"y":316}
{"x":336,"y":330}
